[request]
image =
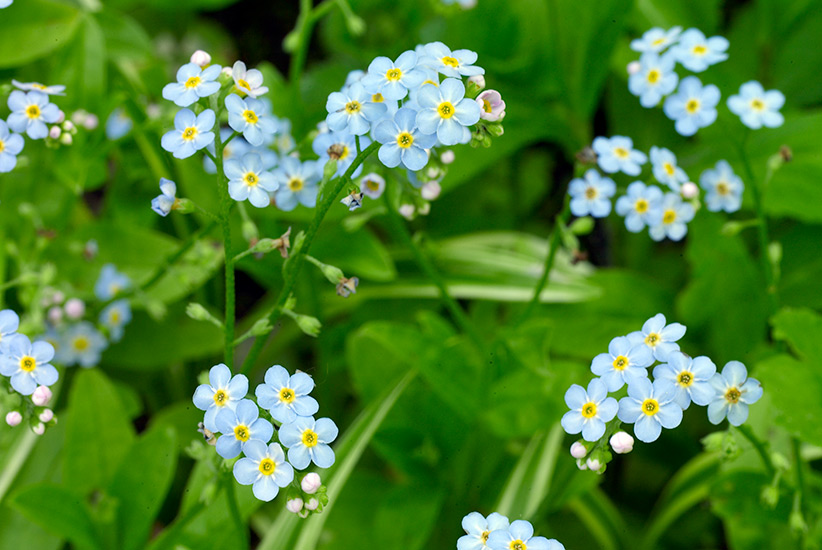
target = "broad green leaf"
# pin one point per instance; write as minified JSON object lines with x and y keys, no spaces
{"x":703,"y":14}
{"x":407,"y":515}
{"x":365,"y":256}
{"x":802,"y":328}
{"x":125,"y":38}
{"x":59,"y":511}
{"x":31,"y":29}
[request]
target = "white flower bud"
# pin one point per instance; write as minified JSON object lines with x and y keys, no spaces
{"x":479,"y":80}
{"x":581,"y":464}
{"x":303,"y":513}
{"x":634,"y":67}
{"x":91,"y":122}
{"x":593,"y":464}
{"x":227,"y":71}
{"x":431,"y":190}
{"x":407,"y":211}
{"x":578,"y":450}
{"x":41,"y":396}
{"x":201,"y":58}
{"x":39,"y":429}
{"x":424,"y":209}
{"x":46,"y":416}
{"x":75,"y":308}
{"x":61,"y":116}
{"x":311,"y":483}
{"x":294,"y":505}
{"x":689,"y":190}
{"x":55,"y":132}
{"x":312,"y":504}
{"x":68,"y":126}
{"x":621,"y":443}
{"x":55,"y":315}
{"x":66,"y":139}
{"x":14,"y":418}
{"x":447,"y":157}
{"x":153,"y":110}
{"x":58,"y":297}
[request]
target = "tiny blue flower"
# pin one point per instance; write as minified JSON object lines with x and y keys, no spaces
{"x":167,"y":200}
{"x":734,"y":391}
{"x":10,"y":146}
{"x":655,"y":40}
{"x":344,"y":147}
{"x":372,"y":185}
{"x":191,"y":133}
{"x":446,"y":111}
{"x":250,"y":116}
{"x":658,"y":337}
{"x":693,"y":106}
{"x":30,"y":112}
{"x":392,"y":79}
{"x":624,"y":363}
{"x":455,"y":63}
{"x":62,"y":354}
{"x":239,"y":426}
{"x":589,"y":410}
{"x":756,"y":107}
{"x":671,"y":218}
{"x":298,"y":183}
{"x":57,"y":89}
{"x":222,"y":391}
{"x":691,"y":378}
{"x":286,"y":397}
{"x":477,"y":529}
{"x":264,"y":468}
{"x":192,"y":84}
{"x":28,"y":364}
{"x":592,"y":195}
{"x":307,"y":440}
{"x":666,"y":170}
{"x":650,"y":407}
{"x":403,"y":143}
{"x":118,"y":124}
{"x":654,"y":80}
{"x":249,"y":82}
{"x":520,"y":534}
{"x":9,"y":323}
{"x":723,"y":188}
{"x":5,"y":3}
{"x":638,"y":204}
{"x":81,"y":344}
{"x":697,"y":53}
{"x":234,"y":149}
{"x":352,"y":77}
{"x":248,"y":180}
{"x":618,"y":154}
{"x":115,"y":317}
{"x":110,"y":283}
{"x":352,"y":110}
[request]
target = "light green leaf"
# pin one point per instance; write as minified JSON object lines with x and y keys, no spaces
{"x":31,"y":29}
{"x":802,"y":329}
{"x":60,"y":512}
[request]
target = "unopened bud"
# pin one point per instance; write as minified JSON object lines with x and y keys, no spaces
{"x":593,"y":464}
{"x":582,"y":226}
{"x":303,"y":513}
{"x":581,"y":464}
{"x":55,"y":132}
{"x":39,"y":429}
{"x":261,"y":327}
{"x":312,"y":504}
{"x":309,"y":325}
{"x":55,"y":315}
{"x":294,"y":505}
{"x":68,"y":126}
{"x":769,"y":496}
{"x":578,"y":450}
{"x":495,"y":130}
{"x":66,"y":139}
{"x":61,"y":117}
{"x":75,"y":308}
{"x":621,"y":443}
{"x":41,"y":396}
{"x":91,"y":122}
{"x":407,"y":211}
{"x":431,"y":190}
{"x":424,"y":209}
{"x":447,"y":157}
{"x":311,"y":483}
{"x":58,"y":297}
{"x":199,"y":313}
{"x":475,"y":85}
{"x":634,"y":67}
{"x":796,"y":521}
{"x":689,"y":190}
{"x":46,"y":416}
{"x":14,"y":418}
{"x":201,"y":58}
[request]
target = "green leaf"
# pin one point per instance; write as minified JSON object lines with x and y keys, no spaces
{"x":125,"y":38}
{"x":408,"y":514}
{"x":703,"y":14}
{"x":98,"y":433}
{"x":802,"y":329}
{"x":31,"y":29}
{"x":60,"y":512}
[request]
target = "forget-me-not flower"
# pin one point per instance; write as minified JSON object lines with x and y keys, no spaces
{"x":234,"y":149}
{"x":655,"y":79}
{"x":240,"y":426}
{"x":590,"y":410}
{"x":446,"y":111}
{"x":691,"y":378}
{"x":286,"y":397}
{"x":193,"y":82}
{"x":697,"y":53}
{"x":520,"y":534}
{"x":693,"y":106}
{"x":264,"y":468}
{"x":248,"y":180}
{"x":591,"y":195}
{"x":617,"y":154}
{"x":671,"y":219}
{"x":9,"y":323}
{"x":403,"y":143}
{"x":658,"y":337}
{"x":298,"y":183}
{"x":638,"y":204}
{"x":352,"y":109}
{"x":623,"y":363}
{"x":756,"y":107}
{"x":665,"y":168}
{"x":81,"y":344}
{"x":392,"y":79}
{"x":723,"y":188}
{"x":167,"y":200}
{"x":118,"y":124}
{"x":30,"y":112}
{"x":456,"y":64}
{"x":191,"y":133}
{"x":222,"y":391}
{"x":115,"y":317}
{"x":250,"y":81}
{"x":655,"y":40}
{"x":57,"y":89}
{"x":650,"y":407}
{"x":734,"y":392}
{"x":110,"y":283}
{"x":28,"y":364}
{"x":342,"y":146}
{"x":477,"y":529}
{"x":10,"y":146}
{"x":307,"y":440}
{"x":372,"y":185}
{"x":250,"y":116}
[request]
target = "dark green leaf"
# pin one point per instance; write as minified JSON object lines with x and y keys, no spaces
{"x":60,"y":512}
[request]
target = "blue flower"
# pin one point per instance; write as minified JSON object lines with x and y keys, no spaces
{"x":697,"y":53}
{"x":9,"y":323}
{"x":81,"y":344}
{"x":671,"y":218}
{"x":30,"y":112}
{"x":591,"y":195}
{"x":264,"y":468}
{"x":392,"y":79}
{"x":589,"y":410}
{"x":110,"y":283}
{"x":286,"y":397}
{"x":307,"y":440}
{"x":239,"y":426}
{"x":520,"y":534}
{"x":734,"y":392}
{"x":655,"y":40}
{"x":403,"y":143}
{"x":234,"y":149}
{"x":248,"y":180}
{"x":167,"y":200}
{"x":454,"y":64}
{"x":192,"y":84}
{"x":693,"y":106}
{"x":352,"y":110}
{"x":372,"y":185}
{"x":191,"y":133}
{"x":249,"y":82}
{"x":617,"y":154}
{"x":118,"y":124}
{"x":115,"y":317}
{"x":665,"y":169}
{"x":638,"y":205}
{"x":10,"y":147}
{"x":691,"y":378}
{"x":650,"y":407}
{"x":756,"y":107}
{"x":250,"y":116}
{"x":5,"y":3}
{"x":343,"y":146}
{"x":298,"y":183}
{"x":28,"y":364}
{"x":62,"y":355}
{"x":658,"y":337}
{"x":223,"y":391}
{"x":57,"y":89}
{"x":446,"y":111}
{"x":654,"y":80}
{"x":624,"y":363}
{"x":723,"y":188}
{"x":352,"y":77}
{"x":477,"y":529}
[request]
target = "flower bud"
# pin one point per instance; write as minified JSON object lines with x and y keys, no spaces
{"x":621,"y":443}
{"x":311,"y":483}
{"x":91,"y":122}
{"x":68,"y":126}
{"x":407,"y":211}
{"x":593,"y":464}
{"x":199,"y":313}
{"x":61,"y":117}
{"x":578,"y":450}
{"x":581,"y":464}
{"x":41,"y":396}
{"x":447,"y":157}
{"x":769,"y":496}
{"x":303,"y":513}
{"x":154,"y":111}
{"x":312,"y":504}
{"x":431,"y":190}
{"x":492,"y":107}
{"x":55,"y":132}
{"x":55,"y":315}
{"x":424,"y":209}
{"x":634,"y":67}
{"x":478,"y":81}
{"x":75,"y":308}
{"x":46,"y":416}
{"x":294,"y":505}
{"x":14,"y":418}
{"x":201,"y":58}
{"x":39,"y":429}
{"x":309,"y":325}
{"x":689,"y":190}
{"x":66,"y":139}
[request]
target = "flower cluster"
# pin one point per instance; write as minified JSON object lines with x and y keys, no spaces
{"x":245,"y":428}
{"x":496,"y":532}
{"x":650,"y":405}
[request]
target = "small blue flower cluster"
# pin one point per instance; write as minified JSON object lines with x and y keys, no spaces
{"x":693,"y":106}
{"x":31,"y":110}
{"x":496,"y":532}
{"x":286,"y":399}
{"x":653,"y":405}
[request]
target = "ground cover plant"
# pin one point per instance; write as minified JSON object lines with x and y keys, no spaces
{"x":481,"y":274}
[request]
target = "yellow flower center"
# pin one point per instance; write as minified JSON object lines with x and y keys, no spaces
{"x":450,"y":61}
{"x":700,"y":50}
{"x":669,"y":168}
{"x":652,"y":339}
{"x":621,"y":362}
{"x":692,"y":106}
{"x":621,"y":152}
{"x":722,"y":188}
{"x":39,"y":86}
{"x":484,"y":536}
{"x":33,"y":112}
{"x":757,"y":104}
{"x":518,"y":545}
{"x":658,"y":42}
{"x":486,"y":105}
{"x":114,"y":317}
{"x":352,"y":107}
{"x":669,"y":216}
{"x":393,"y":74}
{"x":113,"y":289}
{"x":591,"y":193}
{"x":344,"y":153}
{"x":190,"y":133}
{"x":250,"y":116}
{"x":221,"y":398}
{"x":685,"y":379}
{"x":446,"y":109}
{"x":310,"y":438}
{"x":653,"y":76}
{"x":405,"y":140}
{"x":267,"y":466}
{"x":251,"y":179}
{"x":733,"y":395}
{"x":193,"y":82}
{"x":80,"y":343}
{"x":243,"y":84}
{"x":377,"y":98}
{"x":287,"y":395}
{"x":589,"y":410}
{"x":372,"y":185}
{"x":2,"y":145}
{"x":650,"y":406}
{"x":295,"y":184}
{"x":28,"y":364}
{"x":242,"y":433}
{"x":641,"y":206}
{"x":437,"y":84}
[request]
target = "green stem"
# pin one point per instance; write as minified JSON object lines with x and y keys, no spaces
{"x":760,"y":448}
{"x":234,"y":509}
{"x":171,"y":260}
{"x":225,"y":222}
{"x":800,"y":475}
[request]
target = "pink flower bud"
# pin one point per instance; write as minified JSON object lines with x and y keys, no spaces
{"x":46,"y":416}
{"x":61,"y":116}
{"x":75,"y":308}
{"x":14,"y":418}
{"x":91,"y":122}
{"x":478,"y":80}
{"x":581,"y":464}
{"x":407,"y":211}
{"x":578,"y":450}
{"x":634,"y":67}
{"x":621,"y":443}
{"x":55,"y":132}
{"x":447,"y":157}
{"x":39,"y":429}
{"x":58,"y":297}
{"x":491,"y":105}
{"x":201,"y":58}
{"x":41,"y":396}
{"x":312,"y":504}
{"x":431,"y":190}
{"x":55,"y":315}
{"x":689,"y":190}
{"x":294,"y":505}
{"x":311,"y":483}
{"x":593,"y":464}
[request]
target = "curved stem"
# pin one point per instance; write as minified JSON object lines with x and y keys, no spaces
{"x":225,"y":222}
{"x":760,"y":448}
